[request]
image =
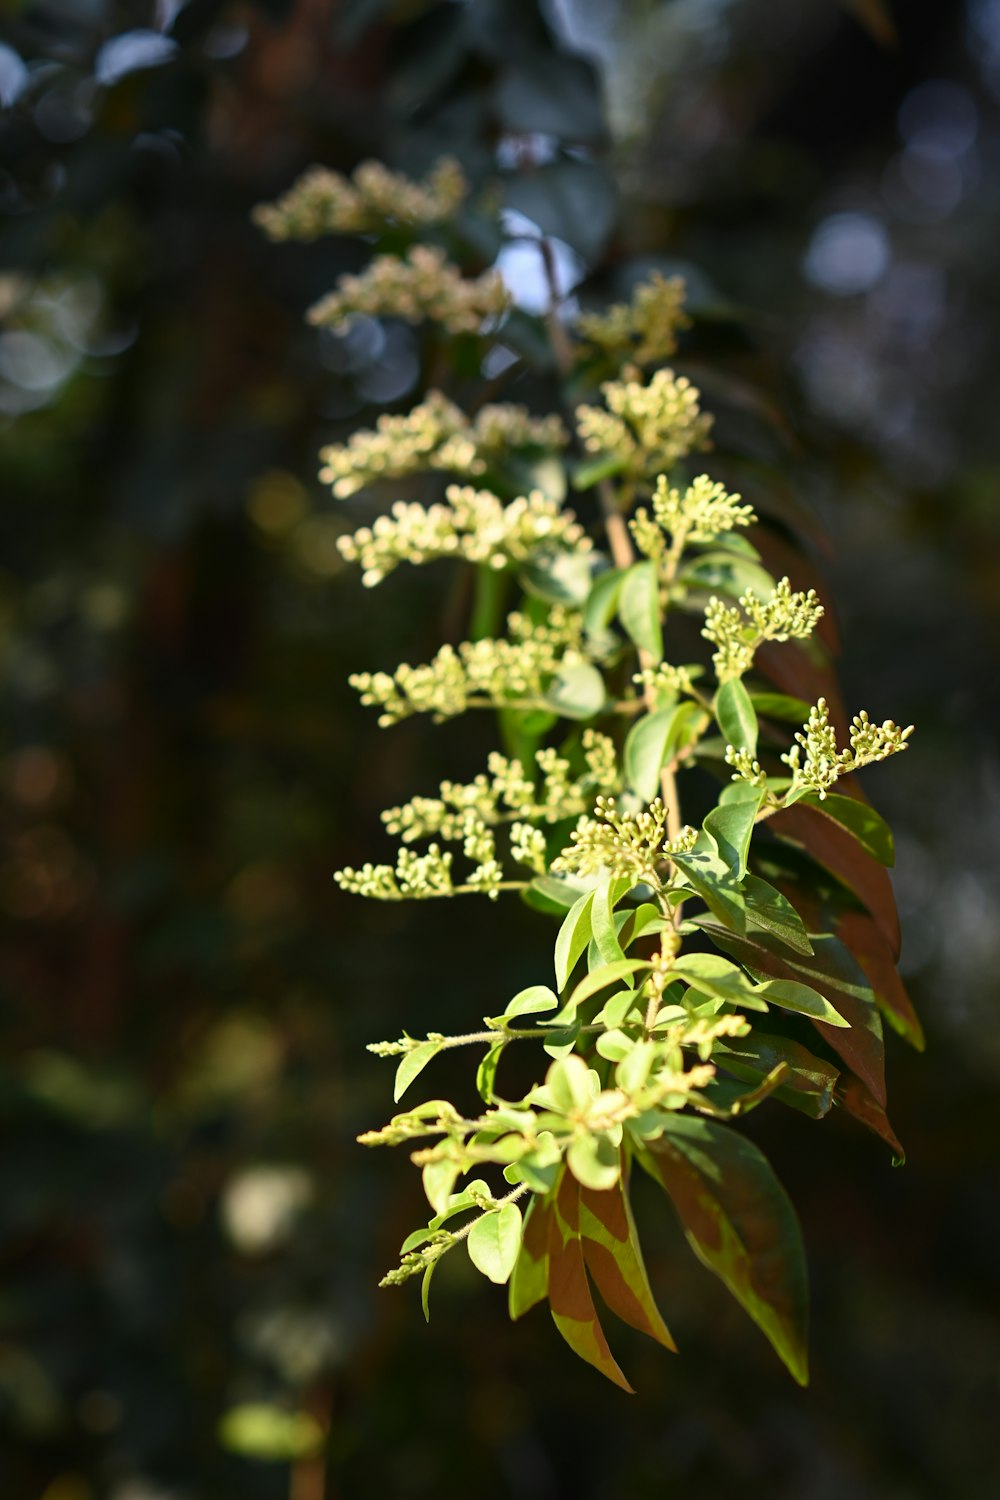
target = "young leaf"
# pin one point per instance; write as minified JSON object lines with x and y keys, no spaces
{"x":439,"y":1178}
{"x":740,"y":1223}
{"x":487,"y":1071}
{"x":646,"y":751}
{"x":574,"y":935}
{"x":594,"y":1161}
{"x":603,"y":924}
{"x":570,"y":1299}
{"x":411,"y":1064}
{"x":614,"y":1260}
{"x":577,"y":692}
{"x":529,"y":1278}
{"x":593,"y":983}
{"x":531,"y":1002}
{"x":736,"y":716}
{"x":602,"y":601}
{"x":730,"y":827}
{"x":494,"y":1241}
{"x":639,"y":608}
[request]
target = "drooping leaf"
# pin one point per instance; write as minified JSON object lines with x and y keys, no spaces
{"x":730,"y":827}
{"x":740,"y":1223}
{"x":614,"y":1260}
{"x":570,"y":1298}
{"x":808,"y":1082}
{"x":487,"y":1071}
{"x":646,"y":751}
{"x":577,"y":692}
{"x":439,"y":1178}
{"x":840,"y":853}
{"x":411,"y":1064}
{"x":860,"y":1102}
{"x":494,"y":1241}
{"x":860,"y":935}
{"x":871,"y":831}
{"x":639,"y":608}
{"x":574,"y":935}
{"x":529,"y":1278}
{"x":736,"y":716}
{"x":862,"y":1046}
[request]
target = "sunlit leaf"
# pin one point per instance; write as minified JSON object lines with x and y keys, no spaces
{"x":411,"y":1064}
{"x":494,"y":1241}
{"x":570,"y":1298}
{"x":739,"y":1221}
{"x":614,"y":1260}
{"x":529,"y":1278}
{"x":646,"y":752}
{"x":736,"y":716}
{"x":574,"y":935}
{"x":730,"y":827}
{"x":639,"y":608}
{"x":577,"y":692}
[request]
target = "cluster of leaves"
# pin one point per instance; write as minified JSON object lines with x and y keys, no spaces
{"x":699,"y":967}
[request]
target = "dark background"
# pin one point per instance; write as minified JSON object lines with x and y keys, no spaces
{"x":186,"y":1224}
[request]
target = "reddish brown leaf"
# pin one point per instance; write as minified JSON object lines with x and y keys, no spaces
{"x":840,"y":853}
{"x":573,"y":1310}
{"x":803,"y":674}
{"x":530,"y":1277}
{"x":861,"y":1046}
{"x":857,"y":1100}
{"x":614,"y":1259}
{"x":859,"y":933}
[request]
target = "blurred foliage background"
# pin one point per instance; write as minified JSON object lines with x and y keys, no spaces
{"x":187,"y":1229}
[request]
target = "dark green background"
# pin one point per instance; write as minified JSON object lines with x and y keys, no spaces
{"x":186,"y":997}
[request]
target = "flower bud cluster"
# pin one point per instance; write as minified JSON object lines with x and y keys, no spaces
{"x":666,"y":680}
{"x":736,"y":633}
{"x":745,"y":767}
{"x":507,"y":792}
{"x":422,"y":285}
{"x":648,"y":427}
{"x":436,"y":435}
{"x":645,"y":329}
{"x":480,"y":673}
{"x":624,"y":845}
{"x":824,"y":764}
{"x":372,"y":198}
{"x":474,"y":525}
{"x":700,"y":513}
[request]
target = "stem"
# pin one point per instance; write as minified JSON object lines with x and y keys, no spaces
{"x":512,"y":1197}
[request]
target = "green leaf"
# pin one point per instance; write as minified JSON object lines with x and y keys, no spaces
{"x":411,"y":1064}
{"x":577,"y":692}
{"x":439,"y":1178}
{"x":594,"y":1161}
{"x":529,"y":1279}
{"x":574,"y":935}
{"x":494,"y":1241}
{"x":532,"y":1002}
{"x":614,"y":1260}
{"x":789,"y":994}
{"x":602,"y":601}
{"x":740,"y":1223}
{"x":736,"y":716}
{"x":487,"y":1071}
{"x":616,"y":1009}
{"x":780,"y":706}
{"x":768,"y":909}
{"x":639,"y":608}
{"x":570,"y":1298}
{"x":560,"y":892}
{"x":593,"y":470}
{"x":710,"y":876}
{"x":711,"y":974}
{"x":603,"y":922}
{"x":599,"y":980}
{"x":722,"y":572}
{"x":425,"y":1289}
{"x":871,"y":831}
{"x":730,"y":827}
{"x":646,"y":752}
{"x":560,"y":577}
{"x":808,"y":1082}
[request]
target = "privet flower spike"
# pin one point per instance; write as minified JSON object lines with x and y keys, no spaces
{"x":688,"y":947}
